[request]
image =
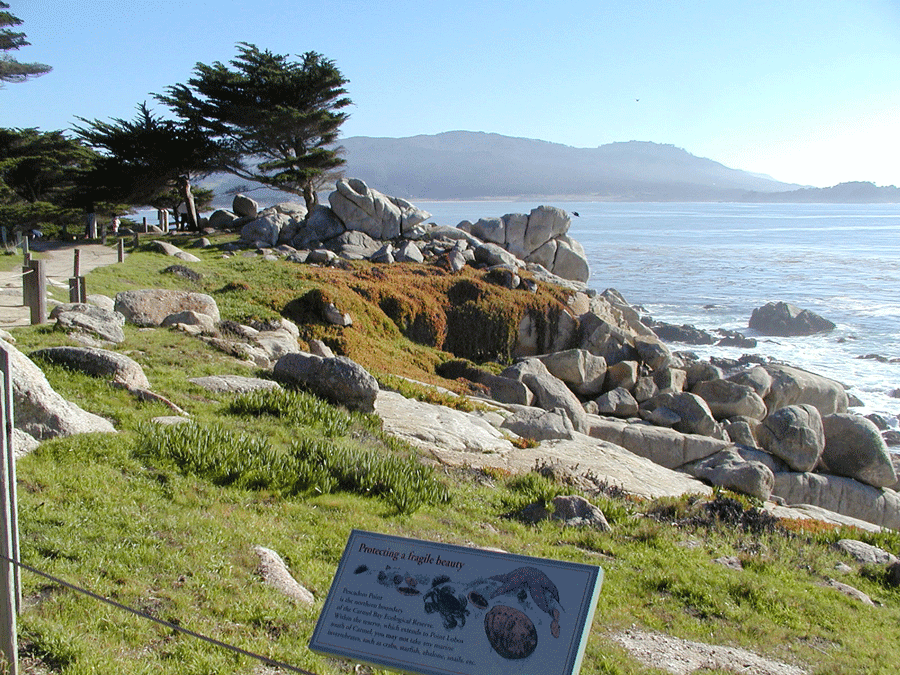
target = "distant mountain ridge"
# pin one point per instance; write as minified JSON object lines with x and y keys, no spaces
{"x":469,"y":165}
{"x":477,"y":165}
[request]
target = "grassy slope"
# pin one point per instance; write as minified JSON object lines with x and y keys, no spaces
{"x":145,"y":532}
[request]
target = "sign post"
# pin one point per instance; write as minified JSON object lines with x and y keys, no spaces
{"x":438,"y":609}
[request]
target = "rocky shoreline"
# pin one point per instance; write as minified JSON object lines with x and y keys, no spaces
{"x":594,"y":388}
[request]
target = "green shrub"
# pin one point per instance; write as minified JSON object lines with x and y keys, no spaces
{"x":310,"y":466}
{"x":294,"y":407}
{"x":405,"y":482}
{"x":529,"y":488}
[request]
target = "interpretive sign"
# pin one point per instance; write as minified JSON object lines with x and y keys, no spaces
{"x":431,"y":608}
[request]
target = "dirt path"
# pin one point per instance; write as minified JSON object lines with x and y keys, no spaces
{"x":60,"y":263}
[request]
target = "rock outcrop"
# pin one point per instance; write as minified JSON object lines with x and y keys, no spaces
{"x":362,"y":223}
{"x":338,"y":379}
{"x":785,"y":320}
{"x":117,"y":368}
{"x":854,"y":448}
{"x":150,"y":307}
{"x":42,"y":413}
{"x":88,"y":318}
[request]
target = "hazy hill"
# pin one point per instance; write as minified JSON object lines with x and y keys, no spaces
{"x":474,"y":165}
{"x":469,"y":165}
{"x":844,"y":193}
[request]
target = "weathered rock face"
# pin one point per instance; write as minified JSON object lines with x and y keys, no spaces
{"x":583,"y":372}
{"x":352,"y":245}
{"x":337,"y":379}
{"x":89,"y":318}
{"x":728,"y":469}
{"x":118,"y":368}
{"x":360,"y":207}
{"x":150,"y":306}
{"x":618,"y":403}
{"x":549,"y":392}
{"x":694,"y":416}
{"x":41,"y":412}
{"x":841,"y":495}
{"x":757,"y":378}
{"x":244,"y":206}
{"x":321,"y":225}
{"x":795,"y":434}
{"x":783,"y":319}
{"x":730,"y":399}
{"x":792,"y":386}
{"x":539,"y":425}
{"x":265,"y":229}
{"x":666,"y":447}
{"x":854,"y":448}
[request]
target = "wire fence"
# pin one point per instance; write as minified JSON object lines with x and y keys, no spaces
{"x":144,"y":615}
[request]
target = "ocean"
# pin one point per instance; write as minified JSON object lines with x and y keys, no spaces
{"x":711,"y":265}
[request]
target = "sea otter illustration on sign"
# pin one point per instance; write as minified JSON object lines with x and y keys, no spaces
{"x":540,"y":587}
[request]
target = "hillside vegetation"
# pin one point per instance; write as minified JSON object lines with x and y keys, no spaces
{"x":166,"y":520}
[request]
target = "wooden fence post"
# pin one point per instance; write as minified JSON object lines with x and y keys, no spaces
{"x":37,"y":294}
{"x":10,"y":588}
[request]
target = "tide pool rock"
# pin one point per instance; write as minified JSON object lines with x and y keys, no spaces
{"x":785,"y":320}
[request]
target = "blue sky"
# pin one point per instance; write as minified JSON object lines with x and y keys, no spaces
{"x":805,"y":91}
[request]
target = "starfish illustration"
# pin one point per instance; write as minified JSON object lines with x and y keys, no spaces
{"x":537,"y":583}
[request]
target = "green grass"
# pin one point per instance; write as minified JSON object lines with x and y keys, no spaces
{"x":165,"y":520}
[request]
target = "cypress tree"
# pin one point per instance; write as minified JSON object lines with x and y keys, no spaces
{"x":10,"y":40}
{"x":277,"y":120}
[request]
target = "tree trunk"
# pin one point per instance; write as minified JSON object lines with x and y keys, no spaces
{"x":184,"y":184}
{"x":310,"y":197}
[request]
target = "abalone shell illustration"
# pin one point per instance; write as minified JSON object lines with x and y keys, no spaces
{"x":510,"y":632}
